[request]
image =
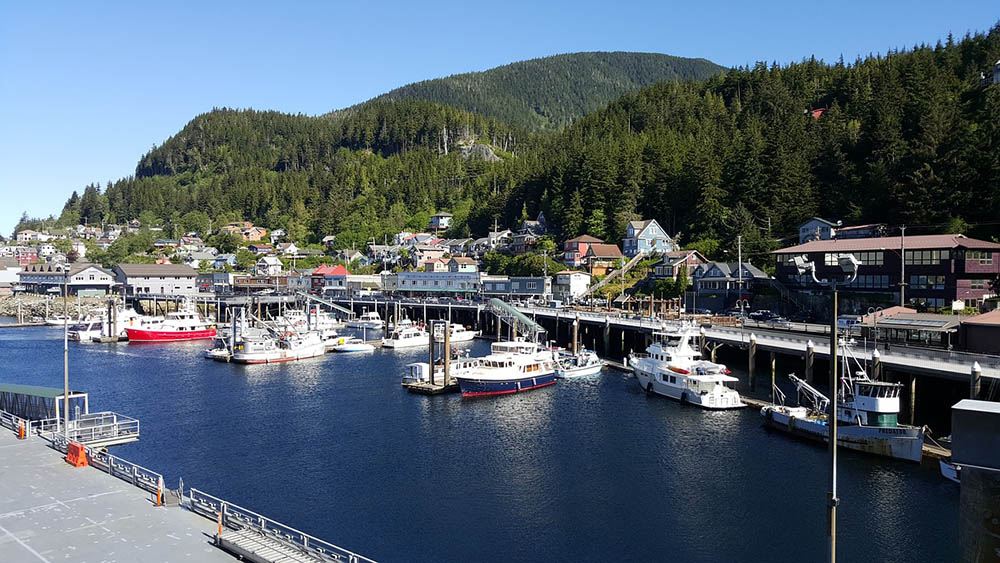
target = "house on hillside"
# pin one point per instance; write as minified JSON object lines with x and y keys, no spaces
{"x":223,"y":260}
{"x":575,"y":250}
{"x":726,"y":279}
{"x":672,"y":262}
{"x":569,"y":285}
{"x":463,"y":264}
{"x":603,"y":257}
{"x":440,"y":222}
{"x":435,"y":265}
{"x":268,"y":266}
{"x":643,"y":237}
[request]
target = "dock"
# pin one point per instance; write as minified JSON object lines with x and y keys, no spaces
{"x":426,"y":388}
{"x":22,"y":325}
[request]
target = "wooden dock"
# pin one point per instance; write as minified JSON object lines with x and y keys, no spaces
{"x":426,"y":388}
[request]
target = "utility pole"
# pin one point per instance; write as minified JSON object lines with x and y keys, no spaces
{"x":739,"y":267}
{"x":902,"y":266}
{"x":66,"y":351}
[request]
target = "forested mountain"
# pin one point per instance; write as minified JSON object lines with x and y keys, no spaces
{"x":911,"y":137}
{"x":551,"y":92}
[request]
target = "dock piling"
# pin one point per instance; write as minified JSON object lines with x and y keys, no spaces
{"x":752,"y":349}
{"x":974,"y":383}
{"x":810,"y":361}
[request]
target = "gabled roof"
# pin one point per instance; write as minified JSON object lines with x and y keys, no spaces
{"x":270,"y":260}
{"x":986,"y":319}
{"x":640,"y":225}
{"x":585,"y":238}
{"x":570,"y":272}
{"x":729,"y":270}
{"x":464,"y":260}
{"x":604,"y":251}
{"x":917,"y":242}
{"x":821,"y":220}
{"x":442,"y":214}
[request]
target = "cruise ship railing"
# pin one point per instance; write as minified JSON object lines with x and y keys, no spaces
{"x":238,"y":518}
{"x":123,"y":469}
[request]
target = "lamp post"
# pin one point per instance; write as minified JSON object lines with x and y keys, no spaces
{"x":875,"y":312}
{"x":849,"y":267}
{"x":902,"y":266}
{"x":66,"y":351}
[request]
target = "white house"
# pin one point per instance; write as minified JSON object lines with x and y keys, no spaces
{"x":440,"y":222}
{"x":268,"y":266}
{"x":80,"y":249}
{"x":817,"y":229}
{"x":46,"y":249}
{"x":84,"y":279}
{"x":570,"y":284}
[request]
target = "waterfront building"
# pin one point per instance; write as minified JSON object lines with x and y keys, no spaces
{"x":938,"y":269}
{"x":161,"y":279}
{"x":84,"y":279}
{"x":670,"y":266}
{"x":642,"y":237}
{"x":982,"y":333}
{"x":217,"y":282}
{"x":438,"y":283}
{"x":601,"y":258}
{"x":575,"y":250}
{"x":569,"y":285}
{"x":518,"y":286}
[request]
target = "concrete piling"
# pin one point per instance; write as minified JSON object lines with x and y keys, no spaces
{"x":810,"y":361}
{"x":974,"y":382}
{"x":752,"y":349}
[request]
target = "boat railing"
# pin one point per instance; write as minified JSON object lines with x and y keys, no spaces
{"x":236,"y":517}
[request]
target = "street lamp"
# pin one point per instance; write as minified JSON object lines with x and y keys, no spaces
{"x":875,"y":312}
{"x":66,"y":351}
{"x":849,"y":268}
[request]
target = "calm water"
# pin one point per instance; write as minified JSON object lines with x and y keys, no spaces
{"x":580,"y":471}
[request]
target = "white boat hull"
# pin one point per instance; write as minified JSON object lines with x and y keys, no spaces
{"x":277,"y":356}
{"x":405,"y":342}
{"x":895,"y":442}
{"x":730,"y":399}
{"x":352,"y":348}
{"x":364,"y":324}
{"x":578,"y":371}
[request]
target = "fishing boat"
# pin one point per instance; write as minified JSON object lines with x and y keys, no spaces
{"x":274,"y":348}
{"x":406,"y":337}
{"x":176,"y":326}
{"x":511,"y":367}
{"x":583,"y":364}
{"x":368,"y":319}
{"x":672,"y":367}
{"x":867,"y":414}
{"x":85,"y":332}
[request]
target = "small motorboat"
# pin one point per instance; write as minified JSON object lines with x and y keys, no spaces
{"x":951,"y":470}
{"x":581,"y":365}
{"x":349,"y":344}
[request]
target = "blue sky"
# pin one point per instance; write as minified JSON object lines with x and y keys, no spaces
{"x":87,"y":88}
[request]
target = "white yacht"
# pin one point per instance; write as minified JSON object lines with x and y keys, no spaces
{"x":672,"y":367}
{"x":510,"y":367}
{"x":583,"y":364}
{"x":368,"y":319}
{"x":406,"y":337}
{"x":461,"y":334}
{"x":288,"y":347}
{"x":86,"y":332}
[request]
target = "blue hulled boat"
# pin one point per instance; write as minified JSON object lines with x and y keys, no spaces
{"x":510,"y":367}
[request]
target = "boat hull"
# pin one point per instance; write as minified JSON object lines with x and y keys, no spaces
{"x":477,"y":387}
{"x":141,"y":335}
{"x":712,"y":401}
{"x":405,"y":343}
{"x":897,"y":443}
{"x":579,"y":371}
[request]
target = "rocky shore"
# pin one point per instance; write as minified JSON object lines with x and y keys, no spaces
{"x":34,"y":306}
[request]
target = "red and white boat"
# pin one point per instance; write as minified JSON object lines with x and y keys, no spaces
{"x":178,"y":326}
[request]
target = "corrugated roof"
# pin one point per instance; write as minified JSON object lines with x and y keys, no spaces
{"x":175,"y":270}
{"x":918,"y":242}
{"x":33,"y":390}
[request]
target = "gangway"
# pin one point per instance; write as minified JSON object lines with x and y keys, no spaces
{"x":32,"y":402}
{"x":348,"y":314}
{"x":521,"y":323}
{"x":97,"y":429}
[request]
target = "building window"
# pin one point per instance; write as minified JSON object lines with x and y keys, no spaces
{"x":871,"y":258}
{"x":925,"y":257}
{"x":985,"y":258}
{"x":927,"y":282}
{"x":977,"y":284}
{"x":531,"y":285}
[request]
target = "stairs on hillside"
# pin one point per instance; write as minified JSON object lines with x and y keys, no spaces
{"x":615,"y":274}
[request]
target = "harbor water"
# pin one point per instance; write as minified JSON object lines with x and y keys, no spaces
{"x":585,"y":470}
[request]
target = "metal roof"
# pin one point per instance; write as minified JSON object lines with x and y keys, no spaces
{"x":33,"y":390}
{"x":917,"y":242}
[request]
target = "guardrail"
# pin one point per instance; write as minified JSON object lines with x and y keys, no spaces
{"x":123,"y":469}
{"x":94,"y":427}
{"x":238,"y":518}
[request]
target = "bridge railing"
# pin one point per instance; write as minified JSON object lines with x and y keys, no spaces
{"x":238,"y":518}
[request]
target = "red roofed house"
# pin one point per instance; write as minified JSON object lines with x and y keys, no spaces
{"x":937,"y":269}
{"x":319,"y":275}
{"x":575,"y":249}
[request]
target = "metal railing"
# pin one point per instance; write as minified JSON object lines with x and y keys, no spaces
{"x":238,"y":518}
{"x":123,"y":469}
{"x":94,"y":427}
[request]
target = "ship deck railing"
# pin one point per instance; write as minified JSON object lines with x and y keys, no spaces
{"x":104,"y":428}
{"x":235,"y":517}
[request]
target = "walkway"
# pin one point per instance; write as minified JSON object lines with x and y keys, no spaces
{"x":51,"y":511}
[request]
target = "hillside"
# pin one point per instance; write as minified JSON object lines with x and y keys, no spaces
{"x":910,"y":137}
{"x":551,"y":92}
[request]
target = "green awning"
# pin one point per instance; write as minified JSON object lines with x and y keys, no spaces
{"x":33,"y":390}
